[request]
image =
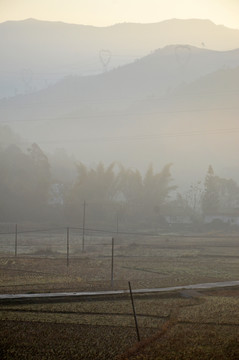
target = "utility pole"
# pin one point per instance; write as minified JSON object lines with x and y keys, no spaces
{"x":67,"y":245}
{"x":117,"y":223}
{"x":112,"y":264}
{"x":135,"y":317}
{"x":16,"y":240}
{"x":83,"y":230}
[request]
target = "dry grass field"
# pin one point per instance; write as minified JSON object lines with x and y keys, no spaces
{"x":41,"y":264}
{"x":177,"y":325}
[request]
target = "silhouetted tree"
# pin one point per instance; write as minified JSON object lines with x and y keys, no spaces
{"x":24,"y":183}
{"x":220,"y":195}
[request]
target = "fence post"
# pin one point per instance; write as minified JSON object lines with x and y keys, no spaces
{"x":135,"y":318}
{"x":83,"y":230}
{"x":16,"y":240}
{"x":67,"y":245}
{"x":112,"y":264}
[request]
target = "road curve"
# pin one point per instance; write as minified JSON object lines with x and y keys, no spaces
{"x":119,"y":292}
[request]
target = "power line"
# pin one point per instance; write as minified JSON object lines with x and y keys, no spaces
{"x":32,"y":231}
{"x":112,"y":232}
{"x":103,"y":116}
{"x":145,"y":137}
{"x":119,"y":99}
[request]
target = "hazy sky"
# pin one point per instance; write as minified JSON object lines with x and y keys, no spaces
{"x":108,"y":12}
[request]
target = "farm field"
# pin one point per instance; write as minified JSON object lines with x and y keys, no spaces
{"x":204,"y":330}
{"x":176,"y":325}
{"x":183,"y":324}
{"x":41,"y":264}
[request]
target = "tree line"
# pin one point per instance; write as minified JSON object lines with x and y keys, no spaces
{"x":113,"y":194}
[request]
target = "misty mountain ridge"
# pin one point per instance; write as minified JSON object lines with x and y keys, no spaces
{"x":122,"y":115}
{"x":38,"y":53}
{"x":157,"y":74}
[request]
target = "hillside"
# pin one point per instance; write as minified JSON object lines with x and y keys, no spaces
{"x":39,"y":53}
{"x":157,"y":74}
{"x":133,"y":116}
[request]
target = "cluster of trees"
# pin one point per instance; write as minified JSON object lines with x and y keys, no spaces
{"x":220,"y":195}
{"x":118,"y":192}
{"x":24,"y":183}
{"x":30,"y":190}
{"x":215,"y":199}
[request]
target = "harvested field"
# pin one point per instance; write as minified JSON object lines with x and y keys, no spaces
{"x":146,"y":262}
{"x":177,"y":325}
{"x":186,"y":324}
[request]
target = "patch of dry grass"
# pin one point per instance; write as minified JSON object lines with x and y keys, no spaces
{"x":171,"y":327}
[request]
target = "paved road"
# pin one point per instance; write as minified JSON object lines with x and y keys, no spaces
{"x":117,"y":292}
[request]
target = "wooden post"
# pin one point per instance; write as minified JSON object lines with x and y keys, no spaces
{"x":67,"y":245}
{"x":83,"y":231}
{"x":112,"y":264}
{"x":135,"y":318}
{"x":16,"y":240}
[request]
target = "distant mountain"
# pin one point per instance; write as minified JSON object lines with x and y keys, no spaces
{"x":178,"y":104}
{"x":192,"y":127}
{"x":38,"y":53}
{"x":157,"y":74}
